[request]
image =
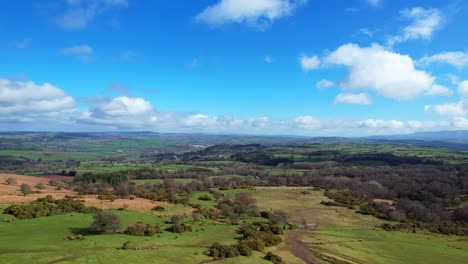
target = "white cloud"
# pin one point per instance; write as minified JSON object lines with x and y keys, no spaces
{"x":309,"y":63}
{"x":379,"y":124}
{"x":256,"y":13}
{"x":23,"y":101}
{"x":83,"y":52}
{"x":324,"y":84}
{"x":456,"y":109}
{"x":390,"y":74}
{"x":463,"y":88}
{"x":77,"y":50}
{"x":305,"y":122}
{"x":438,"y":90}
{"x":80,"y":13}
{"x":457,"y":59}
{"x":368,"y":32}
{"x":25,"y":105}
{"x":374,"y":2}
{"x":350,"y":98}
{"x":460,"y":123}
{"x":121,"y":112}
{"x":126,"y":106}
{"x":423,"y":24}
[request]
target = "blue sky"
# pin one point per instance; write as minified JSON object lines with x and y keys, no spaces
{"x":355,"y":67}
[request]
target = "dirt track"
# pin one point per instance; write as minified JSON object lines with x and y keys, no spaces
{"x":295,"y":245}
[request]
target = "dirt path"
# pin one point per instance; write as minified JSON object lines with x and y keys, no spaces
{"x":295,"y":245}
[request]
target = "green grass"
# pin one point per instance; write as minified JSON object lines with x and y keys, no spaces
{"x":343,"y":234}
{"x":372,"y":245}
{"x":41,"y":241}
{"x":204,"y":204}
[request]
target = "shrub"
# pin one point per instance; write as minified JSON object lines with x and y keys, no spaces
{"x":219,"y":251}
{"x":109,"y":197}
{"x":46,"y":206}
{"x":142,"y":229}
{"x":177,"y":219}
{"x":244,"y":248}
{"x":40,"y":186}
{"x":265,"y":214}
{"x":180,"y":228}
{"x":158,"y":208}
{"x":25,"y":189}
{"x":205,"y":198}
{"x":279,"y":217}
{"x":253,"y":243}
{"x":105,"y":223}
{"x":461,"y":214}
{"x":195,"y":217}
{"x":274,"y":258}
{"x":10,"y":181}
{"x":275,"y":229}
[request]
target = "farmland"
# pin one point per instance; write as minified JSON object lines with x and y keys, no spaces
{"x":337,"y":202}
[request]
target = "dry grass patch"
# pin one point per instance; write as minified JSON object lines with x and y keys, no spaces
{"x":10,"y":194}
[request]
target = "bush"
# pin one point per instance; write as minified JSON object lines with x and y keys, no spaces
{"x":158,"y":208}
{"x":205,"y":198}
{"x":219,"y":251}
{"x":253,"y":243}
{"x":25,"y":189}
{"x":105,"y":223}
{"x":274,"y":258}
{"x":11,"y":181}
{"x":180,"y":228}
{"x":461,"y":214}
{"x":109,"y":197}
{"x":265,"y":214}
{"x":279,"y":217}
{"x":244,"y":248}
{"x":177,"y":219}
{"x":40,"y":186}
{"x":47,"y":206}
{"x":142,"y":229}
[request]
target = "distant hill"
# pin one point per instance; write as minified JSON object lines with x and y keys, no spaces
{"x":457,"y":139}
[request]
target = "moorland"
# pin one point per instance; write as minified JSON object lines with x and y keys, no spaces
{"x":177,"y":198}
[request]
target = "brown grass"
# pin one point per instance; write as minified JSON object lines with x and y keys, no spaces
{"x":10,"y":194}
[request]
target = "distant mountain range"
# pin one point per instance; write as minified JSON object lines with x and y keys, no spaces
{"x":442,"y":139}
{"x":457,"y":139}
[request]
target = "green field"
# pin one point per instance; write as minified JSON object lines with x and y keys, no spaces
{"x":46,"y":244}
{"x":344,"y":235}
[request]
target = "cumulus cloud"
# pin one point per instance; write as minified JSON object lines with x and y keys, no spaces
{"x":390,"y":74}
{"x":351,"y":98}
{"x":256,"y":13}
{"x":309,"y":63}
{"x":121,"y":112}
{"x":423,"y":23}
{"x":80,"y":13}
{"x":463,"y":88}
{"x":24,"y":101}
{"x":456,"y":109}
{"x":324,"y":84}
{"x":438,"y":90}
{"x":457,"y":59}
{"x":375,"y":123}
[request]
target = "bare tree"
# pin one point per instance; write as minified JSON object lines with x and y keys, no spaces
{"x":10,"y":181}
